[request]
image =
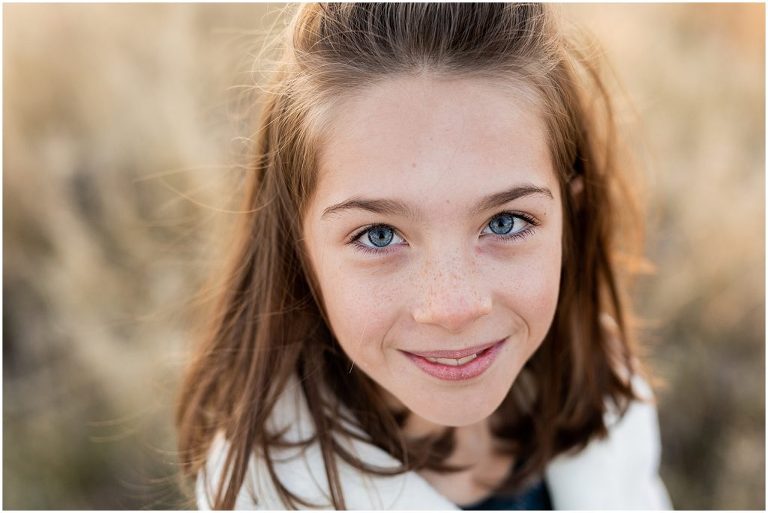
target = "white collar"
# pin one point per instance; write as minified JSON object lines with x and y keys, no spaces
{"x":618,"y":472}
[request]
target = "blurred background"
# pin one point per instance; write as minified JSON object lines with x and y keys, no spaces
{"x":125,"y":128}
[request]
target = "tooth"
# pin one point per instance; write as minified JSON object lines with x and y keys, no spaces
{"x":462,"y":361}
{"x":453,"y":362}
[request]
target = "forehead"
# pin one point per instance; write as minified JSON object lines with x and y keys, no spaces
{"x":411,"y":136}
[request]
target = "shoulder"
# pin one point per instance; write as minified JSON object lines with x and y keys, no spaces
{"x":617,"y":472}
{"x":302,"y":471}
{"x":620,"y":471}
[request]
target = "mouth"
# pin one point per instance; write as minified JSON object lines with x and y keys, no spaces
{"x":456,"y":354}
{"x":456,"y":365}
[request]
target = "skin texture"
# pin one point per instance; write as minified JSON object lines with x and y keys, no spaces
{"x":446,"y":281}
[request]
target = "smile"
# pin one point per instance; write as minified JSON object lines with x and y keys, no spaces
{"x":457,"y":365}
{"x":451,"y":361}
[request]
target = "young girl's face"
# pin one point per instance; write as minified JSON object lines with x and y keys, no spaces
{"x":435,"y":236}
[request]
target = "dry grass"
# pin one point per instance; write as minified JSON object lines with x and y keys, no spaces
{"x":124,"y":127}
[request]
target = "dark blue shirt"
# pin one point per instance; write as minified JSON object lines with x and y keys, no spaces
{"x":534,"y":497}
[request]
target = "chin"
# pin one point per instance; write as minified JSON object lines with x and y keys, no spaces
{"x":458,"y":413}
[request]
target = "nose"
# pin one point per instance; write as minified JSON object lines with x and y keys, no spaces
{"x":451,"y":296}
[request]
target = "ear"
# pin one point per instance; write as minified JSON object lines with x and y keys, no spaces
{"x":575,"y":186}
{"x":575,"y":189}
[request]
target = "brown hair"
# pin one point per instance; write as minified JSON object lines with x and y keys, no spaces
{"x":269,"y":325}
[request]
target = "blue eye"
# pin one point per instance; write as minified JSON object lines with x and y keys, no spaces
{"x":509,"y":225}
{"x":502,"y":224}
{"x":381,"y":236}
{"x":377,"y":238}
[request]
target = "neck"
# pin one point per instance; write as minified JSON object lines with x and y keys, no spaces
{"x":472,"y":441}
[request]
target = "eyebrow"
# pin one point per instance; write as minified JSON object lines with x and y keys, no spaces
{"x":397,"y":208}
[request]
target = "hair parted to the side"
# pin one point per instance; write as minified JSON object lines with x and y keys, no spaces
{"x":269,"y":325}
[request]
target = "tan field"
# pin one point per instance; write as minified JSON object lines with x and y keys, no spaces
{"x":125,"y":131}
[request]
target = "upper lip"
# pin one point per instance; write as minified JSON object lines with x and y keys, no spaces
{"x":455,"y":353}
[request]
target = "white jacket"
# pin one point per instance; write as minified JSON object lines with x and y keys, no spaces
{"x":618,"y":472}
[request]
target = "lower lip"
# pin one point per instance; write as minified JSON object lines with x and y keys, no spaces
{"x":460,"y":372}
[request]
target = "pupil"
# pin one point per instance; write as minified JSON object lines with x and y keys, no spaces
{"x":380,"y":236}
{"x":502,"y":224}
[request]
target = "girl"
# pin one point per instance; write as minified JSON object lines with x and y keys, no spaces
{"x":423,"y":307}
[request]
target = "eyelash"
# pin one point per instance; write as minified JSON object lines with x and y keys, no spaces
{"x":527,"y":232}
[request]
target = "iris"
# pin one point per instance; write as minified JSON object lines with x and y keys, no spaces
{"x":380,"y":236}
{"x":502,"y":224}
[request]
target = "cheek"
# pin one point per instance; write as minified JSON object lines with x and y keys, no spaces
{"x":538,"y":296}
{"x":361,"y":310}
{"x":530,"y":289}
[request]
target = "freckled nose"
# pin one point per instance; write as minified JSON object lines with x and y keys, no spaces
{"x":452,"y":299}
